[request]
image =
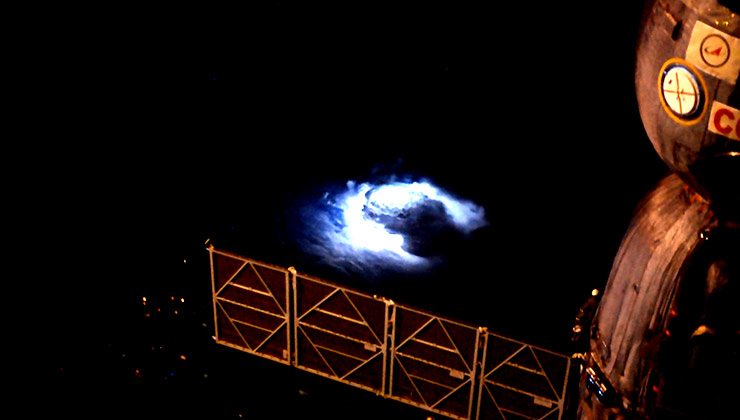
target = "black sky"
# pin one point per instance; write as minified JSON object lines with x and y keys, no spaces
{"x":200,"y":122}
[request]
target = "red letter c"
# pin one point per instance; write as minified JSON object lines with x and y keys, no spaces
{"x":726,"y":129}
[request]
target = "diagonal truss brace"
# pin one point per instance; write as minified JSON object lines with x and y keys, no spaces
{"x":476,"y":374}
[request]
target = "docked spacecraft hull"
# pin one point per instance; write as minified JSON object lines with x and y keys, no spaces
{"x":665,"y":335}
{"x":687,"y":62}
{"x":670,"y":278}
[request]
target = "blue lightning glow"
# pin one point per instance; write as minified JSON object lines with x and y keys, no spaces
{"x":378,"y":227}
{"x":360,"y":231}
{"x":400,"y":196}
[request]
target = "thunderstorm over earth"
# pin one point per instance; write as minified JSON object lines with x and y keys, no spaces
{"x":283,"y":211}
{"x":397,"y":224}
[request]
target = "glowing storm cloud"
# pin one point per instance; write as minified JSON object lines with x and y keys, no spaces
{"x":391,"y":223}
{"x":363,"y":232}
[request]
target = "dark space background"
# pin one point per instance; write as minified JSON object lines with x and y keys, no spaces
{"x":171,"y":127}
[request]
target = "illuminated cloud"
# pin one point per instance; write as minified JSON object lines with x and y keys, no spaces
{"x":393,"y":225}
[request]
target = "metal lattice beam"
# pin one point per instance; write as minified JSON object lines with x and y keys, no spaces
{"x":438,"y":364}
